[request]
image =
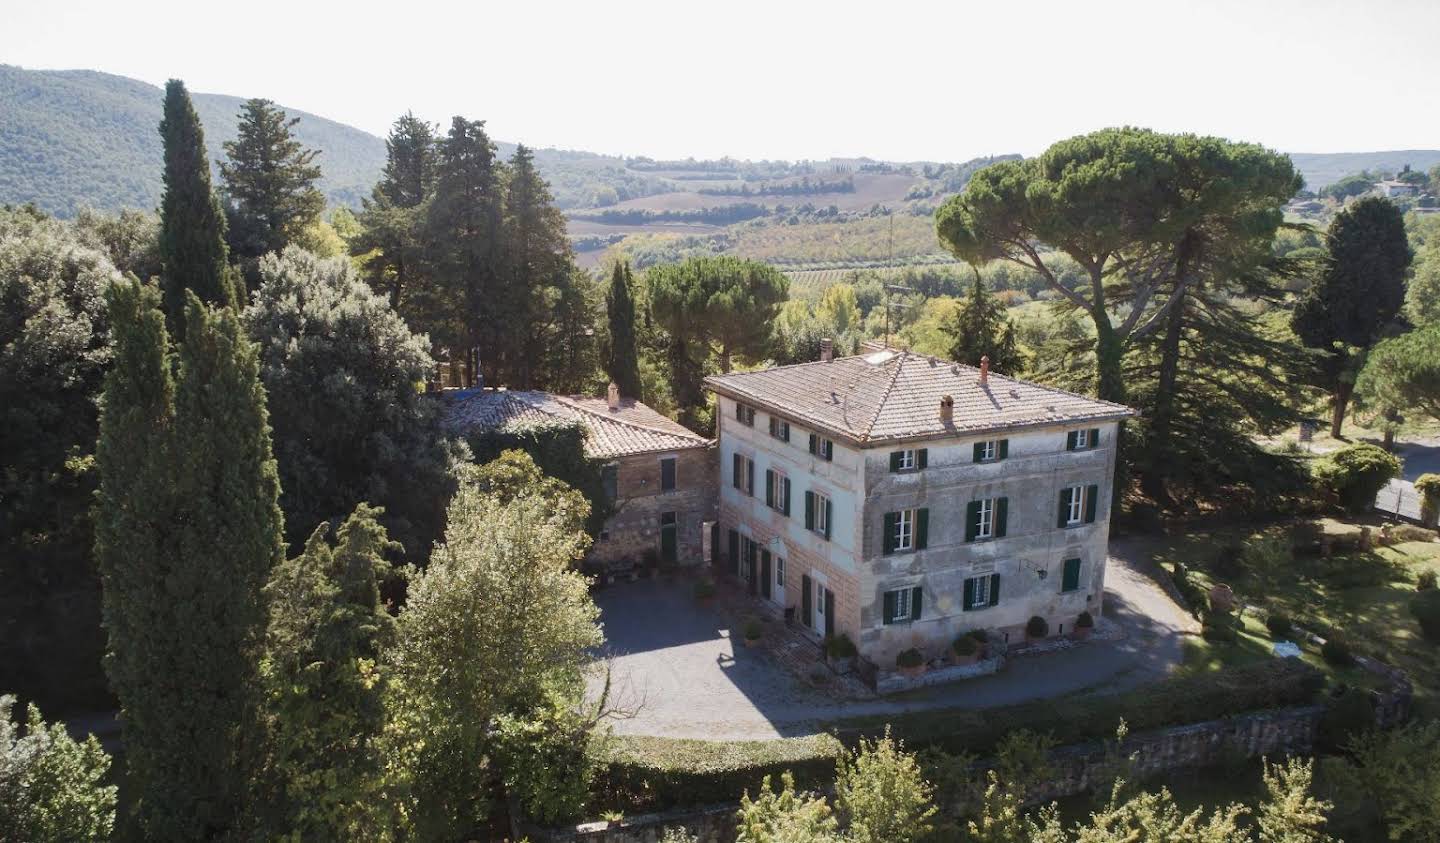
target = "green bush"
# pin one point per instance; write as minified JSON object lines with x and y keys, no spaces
{"x":753,"y":630}
{"x":965,"y":645}
{"x":909,"y":658}
{"x":1348,"y":714}
{"x":704,"y":589}
{"x":1085,"y":621}
{"x":1356,"y":473}
{"x":1337,"y":652}
{"x":840,"y":647}
{"x":1426,"y":581}
{"x":1219,"y":628}
{"x":1425,"y":606}
{"x":979,"y":635}
{"x":1429,"y":486}
{"x":1279,"y":625}
{"x":1037,"y":627}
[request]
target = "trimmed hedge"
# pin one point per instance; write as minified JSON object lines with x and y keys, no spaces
{"x":650,"y":773}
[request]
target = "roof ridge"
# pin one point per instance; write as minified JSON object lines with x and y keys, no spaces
{"x":890,"y":387}
{"x":569,"y":401}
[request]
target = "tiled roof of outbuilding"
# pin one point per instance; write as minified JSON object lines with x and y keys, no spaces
{"x":633,"y":428}
{"x":895,"y":395}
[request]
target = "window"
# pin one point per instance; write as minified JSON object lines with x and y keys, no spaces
{"x":992,"y":450}
{"x":981,"y":592}
{"x":745,"y":415}
{"x":900,"y":604}
{"x":986,"y":519}
{"x":1076,"y":513}
{"x":905,"y":530}
{"x":904,"y":533}
{"x":743,"y":474}
{"x":1078,"y":505}
{"x":1070,"y":579}
{"x":987,"y":450}
{"x":780,"y":571}
{"x":818,"y":513}
{"x":610,"y":480}
{"x":777,"y":491}
{"x":906,"y":460}
{"x":667,"y":474}
{"x":780,"y":429}
{"x":1082,"y":440}
{"x":820,"y":599}
{"x":822,"y":447}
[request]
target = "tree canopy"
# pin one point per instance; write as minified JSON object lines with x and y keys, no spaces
{"x":270,"y":182}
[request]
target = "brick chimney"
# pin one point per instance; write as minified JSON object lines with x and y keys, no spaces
{"x":612,"y":396}
{"x":985,"y":370}
{"x":827,"y":350}
{"x":947,"y":410}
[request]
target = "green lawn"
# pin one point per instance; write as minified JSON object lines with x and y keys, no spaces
{"x":1363,"y":595}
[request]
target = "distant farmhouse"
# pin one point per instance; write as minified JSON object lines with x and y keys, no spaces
{"x":1392,"y":189}
{"x":659,"y":475}
{"x":903,"y":500}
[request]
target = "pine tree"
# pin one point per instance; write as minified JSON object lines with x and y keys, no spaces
{"x":981,"y":329}
{"x":623,"y":364}
{"x":193,"y":255}
{"x":324,"y":686}
{"x":269,"y":182}
{"x":409,"y":175}
{"x":391,"y":238}
{"x":538,"y":276}
{"x":464,"y":228}
{"x":187,"y":529}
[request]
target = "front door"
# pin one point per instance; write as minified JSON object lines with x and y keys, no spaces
{"x":765,"y":574}
{"x":750,"y":553}
{"x":807,"y":610}
{"x":669,"y":546}
{"x":829,"y":613}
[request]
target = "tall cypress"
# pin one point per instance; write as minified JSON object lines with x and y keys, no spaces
{"x":623,"y":364}
{"x":188,"y":527}
{"x":193,"y":255}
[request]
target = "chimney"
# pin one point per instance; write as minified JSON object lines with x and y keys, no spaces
{"x":947,"y":410}
{"x":985,"y":370}
{"x":612,"y":396}
{"x":827,"y":350}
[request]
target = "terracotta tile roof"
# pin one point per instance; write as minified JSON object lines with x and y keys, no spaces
{"x":894,"y":395}
{"x":633,"y":428}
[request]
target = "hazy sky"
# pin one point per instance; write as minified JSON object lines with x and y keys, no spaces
{"x":945,"y":80}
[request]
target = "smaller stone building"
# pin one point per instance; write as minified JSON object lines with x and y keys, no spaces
{"x":661,"y":477}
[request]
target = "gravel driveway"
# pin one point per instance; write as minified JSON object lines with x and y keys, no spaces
{"x":674,"y":667}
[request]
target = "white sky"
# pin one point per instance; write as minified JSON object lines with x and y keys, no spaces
{"x":898,"y":80}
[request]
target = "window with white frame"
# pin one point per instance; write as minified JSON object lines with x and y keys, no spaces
{"x":987,"y":451}
{"x":1076,"y":512}
{"x":820,"y":601}
{"x":906,"y":460}
{"x":822,"y":514}
{"x":744,"y":414}
{"x":978,"y":591}
{"x":780,"y":571}
{"x":904,"y":535}
{"x":1082,"y":438}
{"x":778,"y":493}
{"x":900,"y":600}
{"x":780,"y":429}
{"x":985,"y":519}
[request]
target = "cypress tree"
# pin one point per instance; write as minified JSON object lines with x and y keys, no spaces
{"x":623,"y":364}
{"x":188,"y":527}
{"x":269,"y":182}
{"x":537,"y":277}
{"x":391,"y":237}
{"x":193,"y":255}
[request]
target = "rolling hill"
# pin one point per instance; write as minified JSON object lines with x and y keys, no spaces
{"x":1322,"y":168}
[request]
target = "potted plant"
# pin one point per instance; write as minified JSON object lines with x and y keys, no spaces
{"x":1084,"y":625}
{"x":911,"y":663}
{"x":965,"y":650}
{"x":1036,"y":628}
{"x":1428,"y":485}
{"x":983,"y":640}
{"x":705,"y":592}
{"x":840,"y":653}
{"x":753,"y":631}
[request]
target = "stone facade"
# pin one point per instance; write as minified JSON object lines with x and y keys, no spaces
{"x":633,"y":534}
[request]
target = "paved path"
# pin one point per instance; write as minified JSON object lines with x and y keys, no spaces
{"x":673,"y":662}
{"x":1399,"y":496}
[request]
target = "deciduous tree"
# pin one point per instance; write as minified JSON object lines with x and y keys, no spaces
{"x":1403,"y":373}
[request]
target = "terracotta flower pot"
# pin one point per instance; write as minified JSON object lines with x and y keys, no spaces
{"x":913,"y":672}
{"x":958,"y":659}
{"x":751,"y":642}
{"x":1083,"y":632}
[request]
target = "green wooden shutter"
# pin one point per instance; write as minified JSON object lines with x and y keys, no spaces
{"x":829,"y":450}
{"x":829,"y":517}
{"x":915,"y":603}
{"x":1070,"y":440}
{"x":812,"y":443}
{"x":739,"y":412}
{"x":786,"y":500}
{"x":735,"y":552}
{"x":1003,"y":448}
{"x":769,"y":487}
{"x":969,"y":595}
{"x":807,"y":596}
{"x":1070,"y":580}
{"x":888,"y":613}
{"x":922,"y":528}
{"x":972,"y":520}
{"x":1064,"y":507}
{"x":994,"y":589}
{"x":738,"y":480}
{"x":887,"y":541}
{"x":809,"y":510}
{"x":1094,"y":437}
{"x":895,"y":457}
{"x":922,"y":457}
{"x":1092,"y":497}
{"x":979,"y":452}
{"x":1002,"y":511}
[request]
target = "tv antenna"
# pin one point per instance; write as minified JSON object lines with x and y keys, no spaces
{"x":890,"y":289}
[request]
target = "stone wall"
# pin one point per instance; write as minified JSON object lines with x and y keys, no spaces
{"x":633,"y":531}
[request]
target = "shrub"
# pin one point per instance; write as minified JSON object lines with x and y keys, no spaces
{"x":1429,"y":486}
{"x":1279,"y":625}
{"x":785,"y":815}
{"x":965,"y":645}
{"x":840,"y":647}
{"x":1426,"y":581}
{"x":1337,"y":652}
{"x":1268,"y":553}
{"x":753,"y":630}
{"x":979,"y":635}
{"x":1037,"y":627}
{"x":1305,"y":536}
{"x":51,"y":786}
{"x":1085,"y":621}
{"x":1425,"y":606}
{"x":909,"y":658}
{"x":704,"y":589}
{"x":1356,"y":473}
{"x":1219,"y":628}
{"x":1230,"y":563}
{"x":1348,"y":714}
{"x":1412,"y":533}
{"x":880,"y":790}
